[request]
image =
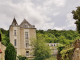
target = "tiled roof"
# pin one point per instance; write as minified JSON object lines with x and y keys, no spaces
{"x":0,"y":51}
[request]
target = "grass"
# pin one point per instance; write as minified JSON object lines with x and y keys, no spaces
{"x":51,"y":58}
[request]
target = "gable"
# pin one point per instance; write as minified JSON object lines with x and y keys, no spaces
{"x":26,"y":24}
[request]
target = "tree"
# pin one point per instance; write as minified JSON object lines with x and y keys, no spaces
{"x":76,"y":16}
{"x":10,"y":52}
{"x":5,"y":39}
{"x":62,"y":39}
{"x":40,"y":49}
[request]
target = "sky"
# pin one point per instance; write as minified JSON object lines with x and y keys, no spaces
{"x":44,"y":14}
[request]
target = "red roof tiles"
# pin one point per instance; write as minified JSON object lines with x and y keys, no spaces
{"x":0,"y":51}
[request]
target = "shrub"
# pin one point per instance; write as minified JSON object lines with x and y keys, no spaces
{"x":10,"y":52}
{"x":22,"y":57}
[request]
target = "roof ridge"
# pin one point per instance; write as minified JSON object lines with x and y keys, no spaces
{"x":24,"y":22}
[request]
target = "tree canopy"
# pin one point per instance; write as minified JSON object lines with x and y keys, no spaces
{"x":40,"y":49}
{"x":76,"y":16}
{"x":4,"y":36}
{"x":58,"y":36}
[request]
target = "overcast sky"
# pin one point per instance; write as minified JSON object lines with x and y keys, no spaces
{"x":44,"y":14}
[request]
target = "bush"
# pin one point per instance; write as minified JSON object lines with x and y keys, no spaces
{"x":22,"y":57}
{"x":10,"y":52}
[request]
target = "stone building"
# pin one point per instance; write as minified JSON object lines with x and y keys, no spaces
{"x":53,"y":47}
{"x":20,"y":36}
{"x":2,"y":50}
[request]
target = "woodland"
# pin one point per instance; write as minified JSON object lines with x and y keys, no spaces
{"x":50,"y":36}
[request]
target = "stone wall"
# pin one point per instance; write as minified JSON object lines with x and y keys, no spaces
{"x":76,"y":54}
{"x":2,"y":55}
{"x":3,"y":52}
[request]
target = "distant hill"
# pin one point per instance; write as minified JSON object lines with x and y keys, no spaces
{"x":50,"y":36}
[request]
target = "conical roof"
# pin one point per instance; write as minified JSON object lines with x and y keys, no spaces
{"x":14,"y":22}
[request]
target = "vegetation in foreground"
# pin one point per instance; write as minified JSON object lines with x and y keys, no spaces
{"x":10,"y":52}
{"x":40,"y":49}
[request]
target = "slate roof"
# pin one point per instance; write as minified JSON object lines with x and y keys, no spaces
{"x":14,"y":22}
{"x":26,"y":22}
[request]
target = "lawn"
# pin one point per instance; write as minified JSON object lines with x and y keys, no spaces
{"x":51,"y":58}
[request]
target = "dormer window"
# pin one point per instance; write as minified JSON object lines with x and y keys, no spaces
{"x":26,"y":26}
{"x":16,"y":24}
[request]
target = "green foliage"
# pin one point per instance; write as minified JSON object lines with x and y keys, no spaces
{"x":4,"y":36}
{"x":60,"y":48}
{"x":40,"y":49}
{"x":22,"y":57}
{"x":58,"y":36}
{"x":67,"y":53}
{"x":50,"y":36}
{"x":76,"y":16}
{"x":10,"y":52}
{"x":51,"y":58}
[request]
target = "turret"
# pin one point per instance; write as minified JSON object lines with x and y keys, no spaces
{"x":14,"y":23}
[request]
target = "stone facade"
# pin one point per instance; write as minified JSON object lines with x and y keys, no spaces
{"x":76,"y":54}
{"x":53,"y":47}
{"x":20,"y":37}
{"x":2,"y":54}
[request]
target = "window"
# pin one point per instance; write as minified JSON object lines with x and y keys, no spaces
{"x":51,"y":44}
{"x":14,"y":32}
{"x":27,"y":45}
{"x":26,"y":35}
{"x":26,"y":26}
{"x":27,"y":53}
{"x":15,"y":42}
{"x":54,"y":44}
